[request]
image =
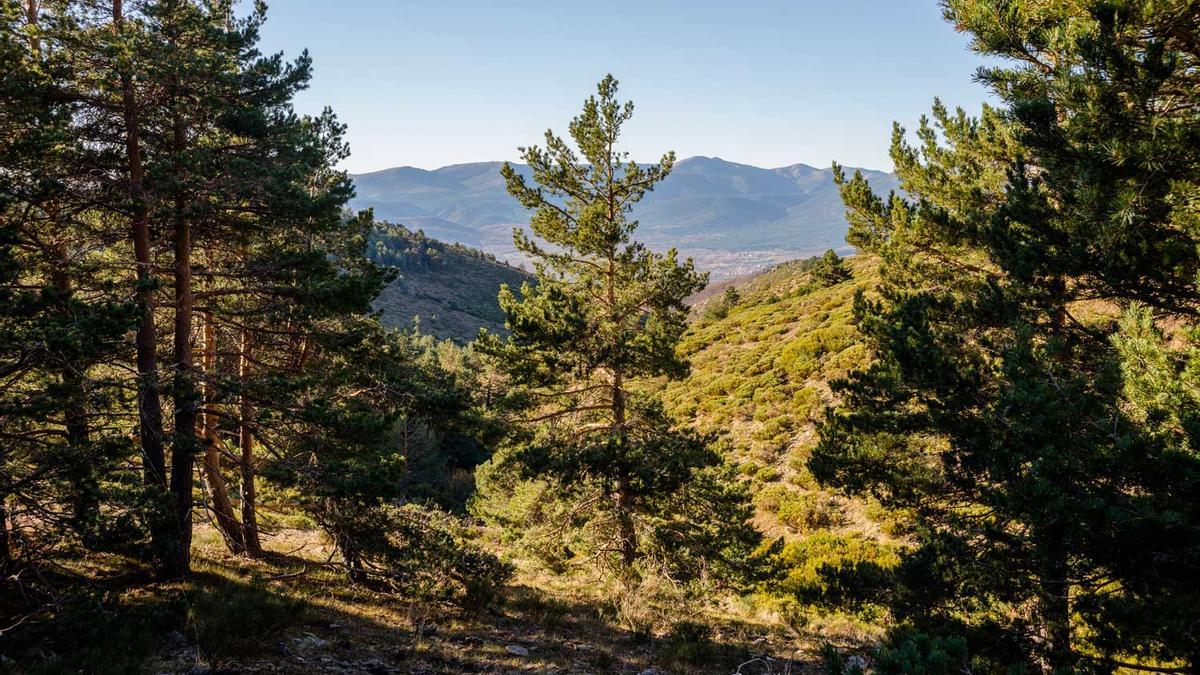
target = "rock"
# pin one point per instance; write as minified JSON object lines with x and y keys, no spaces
{"x":175,"y":640}
{"x":310,"y":640}
{"x":375,"y":667}
{"x":517,"y":650}
{"x":855,"y":662}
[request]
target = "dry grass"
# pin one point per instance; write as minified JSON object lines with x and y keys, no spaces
{"x":292,"y":612}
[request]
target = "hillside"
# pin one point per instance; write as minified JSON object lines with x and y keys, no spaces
{"x":450,"y":287}
{"x":760,"y":378}
{"x":732,"y":218}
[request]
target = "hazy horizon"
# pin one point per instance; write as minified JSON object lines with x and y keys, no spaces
{"x":678,"y":160}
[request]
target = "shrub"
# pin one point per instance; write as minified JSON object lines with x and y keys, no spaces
{"x":836,"y":569}
{"x":689,"y":643}
{"x":770,"y":497}
{"x":807,"y":404}
{"x":230,"y":622}
{"x":416,"y":551}
{"x":807,"y":512}
{"x":892,"y":523}
{"x":97,"y":630}
{"x":924,"y":655}
{"x":768,"y":474}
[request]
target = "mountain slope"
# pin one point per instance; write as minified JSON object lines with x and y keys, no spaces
{"x":449,"y":289}
{"x":732,"y":218}
{"x":760,"y":380}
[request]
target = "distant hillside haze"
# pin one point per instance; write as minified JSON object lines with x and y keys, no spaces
{"x":732,"y":218}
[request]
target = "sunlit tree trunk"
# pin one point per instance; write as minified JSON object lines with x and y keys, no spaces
{"x":218,"y":491}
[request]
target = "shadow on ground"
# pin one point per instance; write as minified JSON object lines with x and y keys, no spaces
{"x":292,"y":615}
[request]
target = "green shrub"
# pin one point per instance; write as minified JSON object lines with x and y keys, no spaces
{"x":415,"y":551}
{"x":892,"y":523}
{"x":924,"y":655}
{"x":836,"y":569}
{"x":770,"y":497}
{"x":803,"y":479}
{"x":807,"y":404}
{"x":768,"y":474}
{"x":233,"y":621}
{"x":808,"y":512}
{"x":118,"y":631}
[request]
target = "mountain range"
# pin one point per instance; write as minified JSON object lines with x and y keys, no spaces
{"x":731,"y":218}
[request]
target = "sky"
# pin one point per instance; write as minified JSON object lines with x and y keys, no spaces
{"x":771,"y":83}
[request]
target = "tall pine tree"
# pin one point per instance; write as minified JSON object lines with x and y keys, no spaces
{"x":604,"y":316}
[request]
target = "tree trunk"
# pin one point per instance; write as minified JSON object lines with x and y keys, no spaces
{"x":184,"y":449}
{"x":1056,"y":615}
{"x":31,"y":15}
{"x":218,"y":491}
{"x":85,"y":488}
{"x":150,"y":424}
{"x":6,"y":548}
{"x":246,"y":443}
{"x":186,"y":445}
{"x":626,"y":533}
{"x":622,"y":501}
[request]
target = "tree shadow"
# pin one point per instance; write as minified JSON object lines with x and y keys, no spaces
{"x":289,"y":614}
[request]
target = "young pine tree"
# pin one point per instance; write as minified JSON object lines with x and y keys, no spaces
{"x":604,"y":316}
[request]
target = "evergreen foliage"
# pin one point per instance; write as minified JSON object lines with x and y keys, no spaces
{"x":605,"y":316}
{"x":830,"y":269}
{"x":173,"y":235}
{"x":1008,"y":407}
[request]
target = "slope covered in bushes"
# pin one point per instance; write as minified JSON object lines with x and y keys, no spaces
{"x":762,"y":358}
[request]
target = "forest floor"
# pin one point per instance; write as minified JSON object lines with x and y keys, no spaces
{"x":291,"y":613}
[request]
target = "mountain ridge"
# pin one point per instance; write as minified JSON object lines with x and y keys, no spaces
{"x":732,"y":218}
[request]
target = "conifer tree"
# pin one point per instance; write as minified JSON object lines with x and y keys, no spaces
{"x":1008,"y":408}
{"x":61,"y":317}
{"x":830,"y":269}
{"x":605,"y":315}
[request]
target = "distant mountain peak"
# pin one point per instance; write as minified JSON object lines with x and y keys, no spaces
{"x":731,"y":218}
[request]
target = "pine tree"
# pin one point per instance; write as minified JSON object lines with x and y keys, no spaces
{"x":830,"y":269}
{"x":63,"y":318}
{"x":604,"y":316}
{"x":1007,"y":407}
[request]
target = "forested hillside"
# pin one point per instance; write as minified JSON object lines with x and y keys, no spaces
{"x":444,"y":290}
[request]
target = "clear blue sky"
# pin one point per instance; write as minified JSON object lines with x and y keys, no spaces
{"x":767,"y":82}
